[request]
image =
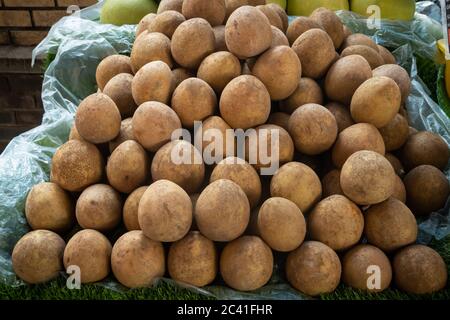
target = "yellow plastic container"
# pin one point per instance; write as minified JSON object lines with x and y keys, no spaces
{"x":442,"y":46}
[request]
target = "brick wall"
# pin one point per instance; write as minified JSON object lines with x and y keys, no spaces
{"x":26,"y":22}
{"x":23,"y":24}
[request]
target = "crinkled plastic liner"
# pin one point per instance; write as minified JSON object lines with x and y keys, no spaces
{"x":79,"y":45}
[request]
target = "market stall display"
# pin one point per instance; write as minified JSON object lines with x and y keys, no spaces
{"x":222,"y":210}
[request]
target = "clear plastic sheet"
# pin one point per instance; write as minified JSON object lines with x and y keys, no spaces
{"x":71,"y":77}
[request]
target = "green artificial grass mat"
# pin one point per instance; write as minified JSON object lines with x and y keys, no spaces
{"x":56,"y":290}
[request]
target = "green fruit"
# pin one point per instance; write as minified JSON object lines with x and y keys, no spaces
{"x":393,"y":10}
{"x":306,"y":7}
{"x":120,"y":12}
{"x":281,"y":3}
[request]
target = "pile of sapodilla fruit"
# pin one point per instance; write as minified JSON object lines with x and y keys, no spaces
{"x":354,"y":174}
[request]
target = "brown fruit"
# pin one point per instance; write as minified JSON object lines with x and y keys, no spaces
{"x":218,"y":69}
{"x":313,"y":128}
{"x":193,"y":260}
{"x":390,"y":225}
{"x":165,"y":212}
{"x":307,"y":91}
{"x":313,"y":268}
{"x":37,"y":256}
{"x":153,"y":82}
{"x":246,"y":264}
{"x":419,"y":270}
{"x":367,"y":178}
{"x":427,"y":189}
{"x":213,"y":11}
{"x":110,"y":67}
{"x":76,"y":165}
{"x":299,"y":183}
{"x":149,"y":47}
{"x":395,"y":133}
{"x":299,"y":26}
{"x":119,"y":90}
{"x":130,"y":209}
{"x":336,"y":222}
{"x":222,"y":211}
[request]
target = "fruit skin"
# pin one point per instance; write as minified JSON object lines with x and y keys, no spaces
{"x":120,"y":12}
{"x":393,"y":10}
{"x":306,"y":7}
{"x":281,"y":3}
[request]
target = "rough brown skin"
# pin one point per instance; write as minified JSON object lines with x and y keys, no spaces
{"x":49,"y":207}
{"x":136,"y":260}
{"x":281,"y":224}
{"x":307,"y":91}
{"x":111,"y":66}
{"x":153,"y":82}
{"x":278,"y":38}
{"x":246,"y":264}
{"x":357,"y":262}
{"x":218,"y":69}
{"x":376,"y":101}
{"x":98,"y":119}
{"x":143,"y":24}
{"x":395,"y":133}
{"x":222,"y":211}
{"x":419,"y":270}
{"x":342,"y":115}
{"x":282,"y":13}
{"x":280,"y":119}
{"x":245,"y":102}
{"x":209,"y":127}
{"x":165,"y":212}
{"x":241,"y":173}
{"x":359,"y":39}
{"x":336,"y":222}
{"x":316,"y":52}
{"x":179,"y":75}
{"x":166,"y":5}
{"x":192,"y":41}
{"x":150,"y":47}
{"x":153,"y":124}
{"x":367,"y":178}
{"x":387,"y":56}
{"x":219,"y":35}
{"x":91,"y":252}
{"x":313,"y":128}
{"x":37,"y":256}
{"x":76,"y":165}
{"x":280,"y":70}
{"x":189,"y":175}
{"x":427,"y":189}
{"x":125,"y":133}
{"x":331,"y":24}
{"x":396,"y":164}
{"x":166,"y":22}
{"x":128,"y":167}
{"x":262,"y":142}
{"x":248,"y":32}
{"x":425,"y":148}
{"x":390,"y":225}
{"x":370,"y":55}
{"x":331,"y":184}
{"x":193,"y":100}
{"x":99,"y":207}
{"x":313,"y":268}
{"x":213,"y":11}
{"x":297,"y":182}
{"x":399,"y":190}
{"x":130,"y":209}
{"x":345,"y":76}
{"x":119,"y":90}
{"x":399,"y":75}
{"x":256,"y":2}
{"x":299,"y":26}
{"x":272,"y":15}
{"x":193,"y":260}
{"x":361,"y":136}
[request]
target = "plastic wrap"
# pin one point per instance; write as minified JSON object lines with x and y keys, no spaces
{"x":71,"y":77}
